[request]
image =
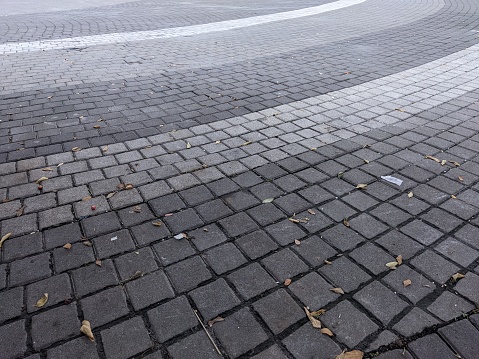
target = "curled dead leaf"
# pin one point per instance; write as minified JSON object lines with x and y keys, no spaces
{"x":98,"y":262}
{"x":41,"y":179}
{"x":392,"y":265}
{"x":399,"y":259}
{"x":137,"y":209}
{"x":111,"y":194}
{"x":410,"y":195}
{"x":354,"y":354}
{"x":294,"y":220}
{"x":287,"y":282}
{"x":97,"y":126}
{"x":460,"y":178}
{"x":42,"y":301}
{"x":188,"y":145}
{"x":268,"y":200}
{"x":157,"y":223}
{"x":87,"y":243}
{"x":327,"y":262}
{"x":346,"y":222}
{"x":67,"y":246}
{"x":366,"y":161}
{"x":407,"y":282}
{"x":104,"y":149}
{"x":310,"y":211}
{"x":453,"y":197}
{"x":337,"y":290}
{"x":457,"y":276}
{"x":433,"y":158}
{"x":215,"y":320}
{"x":457,"y":164}
{"x":86,"y":329}
{"x":19,"y":211}
{"x":246,"y":143}
{"x":47,"y":169}
{"x":297,"y":242}
{"x":4,"y":238}
{"x":443,"y":162}
{"x":76,"y":149}
{"x":316,"y":323}
{"x":318,"y":312}
{"x":217,"y":142}
{"x":87,"y":198}
{"x":340,"y":175}
{"x":129,"y":186}
{"x":361,"y":186}
{"x":327,"y":332}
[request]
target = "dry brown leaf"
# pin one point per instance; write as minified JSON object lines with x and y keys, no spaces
{"x":327,"y":262}
{"x":129,"y":186}
{"x":97,"y":126}
{"x":407,"y":282}
{"x":137,"y":209}
{"x":98,"y":262}
{"x":314,"y":322}
{"x":354,"y":354}
{"x":327,"y":332}
{"x":399,"y":259}
{"x":76,"y":149}
{"x":453,"y":197}
{"x":443,"y":162}
{"x":67,"y":246}
{"x":340,"y":175}
{"x":188,"y":145}
{"x":361,"y":186}
{"x":87,"y":198}
{"x":366,"y":161}
{"x":433,"y":158}
{"x":87,"y":243}
{"x":392,"y":265}
{"x":4,"y":238}
{"x":287,"y":282}
{"x":41,"y":179}
{"x":86,"y":329}
{"x":297,"y":242}
{"x":294,"y":220}
{"x":457,"y":164}
{"x":337,"y":290}
{"x":47,"y":169}
{"x":410,"y":195}
{"x":457,"y":276}
{"x":104,"y":149}
{"x":246,"y":143}
{"x":346,"y":222}
{"x":460,"y":178}
{"x":111,"y":194}
{"x":310,"y":211}
{"x":42,"y":301}
{"x":318,"y":312}
{"x":217,"y":142}
{"x":157,"y":223}
{"x":60,"y":164}
{"x":215,"y":320}
{"x":19,"y":211}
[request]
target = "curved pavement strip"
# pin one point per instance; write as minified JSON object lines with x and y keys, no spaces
{"x":152,"y":119}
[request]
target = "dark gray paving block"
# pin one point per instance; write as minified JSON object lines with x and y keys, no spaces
{"x":206,"y":237}
{"x":196,"y":195}
{"x":172,"y":318}
{"x":239,"y":333}
{"x":313,"y":291}
{"x":266,"y":214}
{"x":54,"y":325}
{"x":30,"y":269}
{"x":222,"y":187}
{"x":101,"y":224}
{"x":380,"y":301}
{"x":417,"y":290}
{"x":22,"y":246}
{"x":135,"y":215}
{"x":256,"y":244}
{"x":105,"y":307}
{"x":93,"y":277}
{"x":457,"y":251}
{"x":390,"y":214}
{"x":59,"y":236}
{"x":55,"y":216}
{"x":469,"y":234}
{"x":266,"y":190}
{"x":469,"y":287}
{"x":449,"y":306}
{"x":251,"y":281}
{"x":149,"y":289}
{"x":65,"y":259}
{"x":395,"y":354}
{"x":241,"y":200}
{"x":126,"y":339}
{"x":384,"y":338}
{"x":285,"y":232}
{"x":3,"y":276}
{"x":113,"y":243}
{"x":20,"y":225}
{"x":359,"y":200}
{"x":397,"y":243}
{"x":11,"y":303}
{"x":337,"y":186}
{"x":142,"y":260}
{"x":372,"y":257}
{"x":188,"y":274}
{"x":348,"y":324}
{"x":273,"y":352}
{"x":307,"y":342}
{"x":147,"y":232}
{"x":183,"y":221}
{"x":284,"y":264}
{"x":238,"y":224}
{"x":337,"y":210}
{"x":342,"y":237}
{"x":80,"y":348}
{"x":434,"y":266}
{"x":415,"y":322}
{"x":313,"y":223}
{"x":442,"y":219}
{"x":431,"y":347}
{"x":167,"y":204}
{"x":196,"y":345}
{"x":367,"y":226}
{"x":173,"y":250}
{"x":13,"y":339}
{"x":213,"y":210}
{"x":463,"y":337}
{"x":224,"y":258}
{"x":343,"y":273}
{"x":412,"y":205}
{"x":125,"y":198}
{"x":314,"y":250}
{"x":214,"y":299}
{"x":58,"y":288}
{"x":316,"y":195}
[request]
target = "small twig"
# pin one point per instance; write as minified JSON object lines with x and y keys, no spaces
{"x":207,"y":333}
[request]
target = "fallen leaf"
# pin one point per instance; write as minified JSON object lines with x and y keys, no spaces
{"x":313,"y":148}
{"x":215,"y":320}
{"x":392,"y":265}
{"x":47,"y":169}
{"x":443,"y":162}
{"x":340,"y":175}
{"x":180,"y":236}
{"x":399,"y":109}
{"x":453,"y":197}
{"x":346,"y":222}
{"x":19,"y":211}
{"x":120,"y":186}
{"x":318,"y":312}
{"x":114,"y":238}
{"x":457,"y":164}
{"x":42,"y":301}
{"x":67,"y":246}
{"x":366,"y":161}
{"x":104,"y":149}
{"x":168,"y":214}
{"x":246,"y":143}
{"x":49,"y":97}
{"x":217,"y":142}
{"x":433,"y":158}
{"x":410,"y":195}
{"x":4,"y":238}
{"x":129,"y":186}
{"x":60,"y":164}
{"x":111,"y":194}
{"x":97,"y":126}
{"x":327,"y":262}
{"x":337,"y":290}
{"x":157,"y":223}
{"x":310,"y":211}
{"x":460,"y":178}
{"x":137,"y":209}
{"x":457,"y":276}
{"x":41,"y":179}
{"x":361,"y":186}
{"x":327,"y":332}
{"x":86,"y":329}
{"x":87,"y":243}
{"x":268,"y":200}
{"x":287,"y":282}
{"x":355,"y":354}
{"x":98,"y":262}
{"x":294,"y":220}
{"x":314,"y":322}
{"x":297,"y":242}
{"x":76,"y":149}
{"x":188,"y":145}
{"x":87,"y":198}
{"x":407,"y":282}
{"x":399,"y":259}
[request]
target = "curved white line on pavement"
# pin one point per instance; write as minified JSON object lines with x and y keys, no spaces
{"x":84,"y":41}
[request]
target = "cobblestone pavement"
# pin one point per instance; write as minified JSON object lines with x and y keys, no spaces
{"x":163,"y":160}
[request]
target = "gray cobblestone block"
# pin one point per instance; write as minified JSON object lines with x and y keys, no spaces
{"x":56,"y":237}
{"x":22,"y":191}
{"x":54,"y":325}
{"x":134,"y":215}
{"x":92,"y":278}
{"x":147,"y":233}
{"x":306,"y":342}
{"x":76,"y":256}
{"x":13,"y":339}
{"x":206,"y":237}
{"x":7,"y":168}
{"x":188,"y":274}
{"x":182,"y":182}
{"x":54,"y":160}
{"x":270,"y":353}
{"x":105,"y":307}
{"x":313,"y":291}
{"x":213,"y":210}
{"x":102,"y":162}
{"x":117,"y":171}
{"x":462,"y":337}
{"x":30,"y":269}
{"x":415,"y":322}
{"x":469,"y":287}
{"x":73,"y":167}
{"x":88,"y":153}
{"x":397,"y":243}
{"x":8,"y":209}
{"x":238,"y":224}
{"x":128,"y":157}
{"x":149,"y":289}
{"x":173,"y":250}
{"x":363,"y":256}
{"x":196,"y":345}
{"x":449,"y":306}
{"x":183,"y":221}
{"x":72,"y":194}
{"x":314,"y":250}
{"x":137,"y":179}
{"x":154,"y":190}
{"x":142,"y":260}
{"x":431,"y":347}
{"x":434,"y":266}
{"x":113,"y":243}
{"x":20,"y":225}
{"x":345,"y":274}
{"x":3,"y":276}
{"x":457,"y":251}
{"x":11,"y":303}
{"x":126,"y":339}
{"x":58,"y":288}
{"x":41,"y":202}
{"x":284,"y":264}
{"x":91,"y":207}
{"x":22,"y":246}
{"x":88,"y":177}
{"x":163,"y":172}
{"x":241,"y":200}
{"x":421,"y":232}
{"x":57,"y":183}
{"x":101,"y":224}
{"x":224,"y":258}
{"x":13,"y":179}
{"x":239,"y":333}
{"x":256,"y":244}
{"x":251,"y":281}
{"x":104,"y":186}
{"x":125,"y":198}
{"x":80,"y":348}
{"x":167,"y":204}
{"x":152,"y":151}
{"x":55,"y":216}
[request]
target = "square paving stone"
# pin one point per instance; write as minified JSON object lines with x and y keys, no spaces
{"x":314,"y":250}
{"x":142,"y":260}
{"x":101,"y":224}
{"x":273,"y":352}
{"x":285,"y":232}
{"x":284,"y":264}
{"x":11,"y":303}
{"x":459,"y":208}
{"x":469,"y":235}
{"x":183,"y":221}
{"x":239,"y":333}
{"x":20,"y":225}
{"x":344,"y":274}
{"x":172,"y":318}
{"x":449,"y":306}
{"x":380,"y":301}
{"x":80,"y":348}
{"x":342,"y":237}
{"x":77,"y":255}
{"x":188,"y":274}
{"x":206,"y":237}
{"x":222,"y":187}
{"x":337,"y":210}
{"x":307,"y":342}
{"x":241,"y":200}
{"x":415,"y":322}
{"x":431,"y":347}
{"x":390,"y":214}
{"x":442,"y":220}
{"x":126,"y":339}
{"x":213,"y":210}
{"x":265,"y":214}
{"x":337,"y":186}
{"x":147,"y":232}
{"x":13,"y":339}
{"x":457,"y":251}
{"x":195,"y":346}
{"x":313,"y":291}
{"x":224,"y":258}
{"x":113,"y":243}
{"x":463,"y":337}
{"x":292,"y":203}
{"x":381,"y":191}
{"x":313,"y":223}
{"x":167,"y":204}
{"x":417,"y":290}
{"x":256,"y":244}
{"x":278,"y":310}
{"x":367,"y":226}
{"x":54,"y":325}
{"x":214,"y":299}
{"x":251,"y":281}
{"x":58,"y":288}
{"x":316,"y":195}
{"x":412,"y":205}
{"x":372,"y":257}
{"x":22,"y":246}
{"x":30,"y":269}
{"x":266,"y":190}
{"x":135,"y":215}
{"x":385,"y":338}
{"x":173,"y":250}
{"x":59,"y":236}
{"x":93,"y":277}
{"x":238,"y":224}
{"x":196,"y":195}
{"x":125,"y":198}
{"x":397,"y":243}
{"x":105,"y":307}
{"x":348,"y":324}
{"x":149,"y":289}
{"x":359,"y":200}
{"x":434,"y":266}
{"x":55,"y":216}
{"x":421,"y":232}
{"x":469,"y":287}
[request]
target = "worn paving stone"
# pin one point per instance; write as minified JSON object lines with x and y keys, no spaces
{"x":313,"y":291}
{"x":414,"y":322}
{"x":196,"y":345}
{"x":80,"y":348}
{"x":188,"y":274}
{"x":142,"y":260}
{"x":284,"y":264}
{"x":449,"y":306}
{"x":58,"y":287}
{"x":431,"y":346}
{"x":13,"y":339}
{"x":307,"y":342}
{"x":91,"y":278}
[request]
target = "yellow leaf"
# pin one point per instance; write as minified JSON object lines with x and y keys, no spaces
{"x":41,"y":179}
{"x":157,"y":223}
{"x":355,"y":354}
{"x":410,"y":195}
{"x":86,"y":329}
{"x":104,"y":149}
{"x":246,"y":143}
{"x":129,"y":186}
{"x":4,"y":238}
{"x":287,"y":282}
{"x":453,"y":197}
{"x":361,"y":186}
{"x":433,"y":158}
{"x":47,"y":169}
{"x":318,"y":312}
{"x":392,"y":265}
{"x":297,"y":242}
{"x":42,"y":301}
{"x":268,"y":200}
{"x":76,"y":149}
{"x":407,"y":282}
{"x":443,"y":162}
{"x":215,"y":320}
{"x":87,"y":198}
{"x":457,"y":164}
{"x":294,"y":220}
{"x":111,"y":194}
{"x":217,"y":142}
{"x":188,"y":145}
{"x":327,"y":332}
{"x":67,"y":246}
{"x":399,"y":259}
{"x":460,"y":178}
{"x":314,"y":322}
{"x":337,"y":290}
{"x":457,"y":276}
